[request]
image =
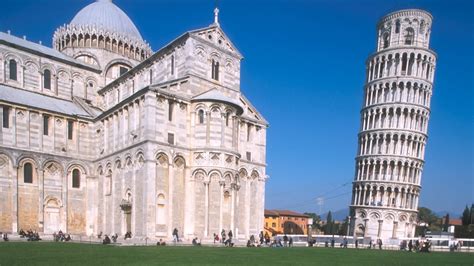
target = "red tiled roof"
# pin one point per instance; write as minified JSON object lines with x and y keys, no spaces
{"x":455,"y":222}
{"x":284,"y":213}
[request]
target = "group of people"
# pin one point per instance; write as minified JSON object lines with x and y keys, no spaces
{"x":416,"y":246}
{"x":60,"y":236}
{"x":161,"y":243}
{"x":226,"y":238}
{"x":30,"y":235}
{"x":109,"y":239}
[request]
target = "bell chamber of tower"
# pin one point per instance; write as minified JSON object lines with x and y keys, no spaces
{"x":394,"y":127}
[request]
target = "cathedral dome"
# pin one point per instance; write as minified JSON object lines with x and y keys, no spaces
{"x":101,"y":26}
{"x":105,"y":15}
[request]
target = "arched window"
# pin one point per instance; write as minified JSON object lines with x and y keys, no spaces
{"x":397,"y":26}
{"x":409,"y":36}
{"x":386,"y":40}
{"x":28,"y":173}
{"x":76,"y":178}
{"x":201,"y":116}
{"x":215,"y":70}
{"x":47,"y":79}
{"x":13,"y":69}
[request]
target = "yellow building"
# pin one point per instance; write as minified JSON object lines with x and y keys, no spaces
{"x":286,"y":222}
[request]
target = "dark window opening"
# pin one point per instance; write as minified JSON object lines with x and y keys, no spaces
{"x":76,"y":178}
{"x":70,"y":129}
{"x":47,"y":79}
{"x":123,"y":70}
{"x":170,"y":111}
{"x":171,"y":138}
{"x":201,"y":116}
{"x":386,"y":40}
{"x":409,"y":36}
{"x":397,"y":26}
{"x":45,"y":125}
{"x":28,"y":173}
{"x":215,"y":70}
{"x":13,"y":70}
{"x":6,"y":117}
{"x":249,"y":156}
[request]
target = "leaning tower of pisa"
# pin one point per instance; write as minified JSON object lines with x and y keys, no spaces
{"x":393,"y":132}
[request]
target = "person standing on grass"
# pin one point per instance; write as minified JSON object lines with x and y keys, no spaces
{"x":410,"y":245}
{"x":231,"y":235}
{"x":291,"y":242}
{"x":175,"y":234}
{"x":380,"y":243}
{"x":223,"y":236}
{"x":357,"y":243}
{"x":285,"y":240}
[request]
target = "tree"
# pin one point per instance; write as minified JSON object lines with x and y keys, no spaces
{"x":472,"y":214}
{"x":466,"y":219}
{"x":446,"y":223}
{"x":329,"y":224}
{"x":428,"y":216}
{"x":316,"y":219}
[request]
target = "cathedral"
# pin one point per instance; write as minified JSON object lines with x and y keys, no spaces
{"x":102,"y":134}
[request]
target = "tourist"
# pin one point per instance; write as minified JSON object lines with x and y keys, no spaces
{"x":114,"y":238}
{"x":267,"y":238}
{"x":22,"y":233}
{"x":344,"y":242}
{"x":290,"y":242}
{"x":99,"y":235}
{"x":260,"y":236}
{"x":175,"y":235}
{"x":230,"y":235}
{"x":161,"y":243}
{"x":357,"y":243}
{"x":67,"y":238}
{"x":195,"y":242}
{"x":128,"y":235}
{"x":379,"y":242}
{"x":410,"y":245}
{"x":106,"y":240}
{"x":333,"y":242}
{"x":216,"y":238}
{"x":223,"y":234}
{"x":285,"y":240}
{"x":5,"y":236}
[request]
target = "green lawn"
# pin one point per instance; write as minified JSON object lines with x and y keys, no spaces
{"x":43,"y":253}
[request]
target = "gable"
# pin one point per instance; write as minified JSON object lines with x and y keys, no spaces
{"x":251,"y":113}
{"x":216,"y":36}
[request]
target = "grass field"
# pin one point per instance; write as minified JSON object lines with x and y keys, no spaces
{"x":83,"y":254}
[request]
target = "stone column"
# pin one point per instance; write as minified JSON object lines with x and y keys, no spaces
{"x":221,"y":199}
{"x":206,"y":208}
{"x":41,"y":198}
{"x":15,"y":199}
{"x":234,"y":191}
{"x":365,"y":227}
{"x":170,"y":197}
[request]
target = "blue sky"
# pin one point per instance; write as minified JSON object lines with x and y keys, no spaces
{"x":304,"y":70}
